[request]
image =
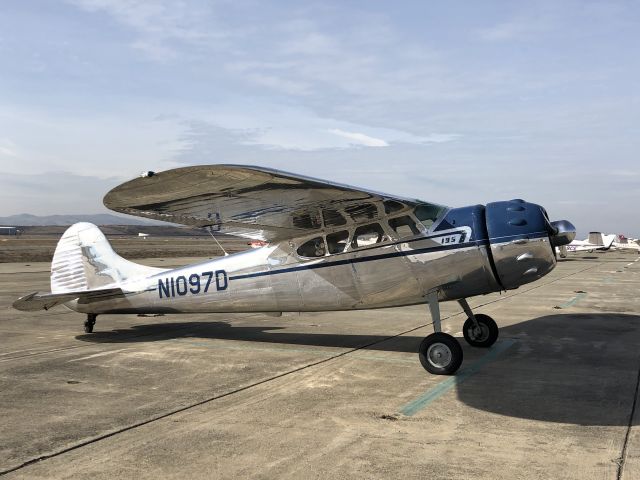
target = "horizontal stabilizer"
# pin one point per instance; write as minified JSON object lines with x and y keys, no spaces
{"x":37,"y":301}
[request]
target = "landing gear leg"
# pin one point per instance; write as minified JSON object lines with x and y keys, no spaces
{"x":478,"y":330}
{"x":440,"y":353}
{"x":90,"y":322}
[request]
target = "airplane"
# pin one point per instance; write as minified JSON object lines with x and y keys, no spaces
{"x":595,"y":241}
{"x":621,"y":242}
{"x":329,"y":247}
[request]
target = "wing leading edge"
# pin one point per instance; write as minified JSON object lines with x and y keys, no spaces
{"x":251,"y":202}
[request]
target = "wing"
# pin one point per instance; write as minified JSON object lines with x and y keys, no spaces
{"x":252,"y":202}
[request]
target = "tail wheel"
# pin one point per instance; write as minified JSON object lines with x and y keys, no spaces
{"x":440,"y":354}
{"x":90,"y":322}
{"x":484,"y":334}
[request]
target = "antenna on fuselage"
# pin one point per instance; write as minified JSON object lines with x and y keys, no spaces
{"x":216,"y":240}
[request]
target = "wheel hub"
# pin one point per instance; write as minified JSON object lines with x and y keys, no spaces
{"x":439,"y":355}
{"x":479,"y":333}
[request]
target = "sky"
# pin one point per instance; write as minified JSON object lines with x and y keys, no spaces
{"x":457,"y":103}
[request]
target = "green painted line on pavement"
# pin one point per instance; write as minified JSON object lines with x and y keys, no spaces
{"x":573,"y":301}
{"x":443,"y":387}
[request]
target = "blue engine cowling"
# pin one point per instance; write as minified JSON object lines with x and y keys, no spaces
{"x":519,"y":241}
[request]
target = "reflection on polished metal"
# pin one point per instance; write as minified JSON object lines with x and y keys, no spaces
{"x":563,"y":233}
{"x":330,"y":247}
{"x":439,"y":355}
{"x":252,"y":202}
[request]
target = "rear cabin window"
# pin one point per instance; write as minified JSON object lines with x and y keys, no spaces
{"x":312,"y":248}
{"x":366,"y":235}
{"x":404,"y":226}
{"x":337,"y":242}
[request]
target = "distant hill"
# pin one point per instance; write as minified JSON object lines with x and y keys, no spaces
{"x":26,"y":219}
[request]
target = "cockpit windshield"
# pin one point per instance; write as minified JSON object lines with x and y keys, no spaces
{"x":428,"y":213}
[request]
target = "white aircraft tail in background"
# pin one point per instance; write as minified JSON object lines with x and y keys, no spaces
{"x":601,"y":240}
{"x":621,"y":242}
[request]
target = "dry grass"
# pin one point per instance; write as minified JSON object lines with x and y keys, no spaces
{"x":40,"y":248}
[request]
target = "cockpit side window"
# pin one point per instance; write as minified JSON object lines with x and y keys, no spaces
{"x":404,"y":226}
{"x":337,"y":241}
{"x":312,"y":248}
{"x":366,"y":235}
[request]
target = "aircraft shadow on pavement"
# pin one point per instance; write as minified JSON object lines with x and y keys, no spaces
{"x":258,"y":333}
{"x":567,"y":368}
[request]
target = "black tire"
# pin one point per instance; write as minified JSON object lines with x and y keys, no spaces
{"x":486,"y":337}
{"x":440,"y":354}
{"x":88,"y":327}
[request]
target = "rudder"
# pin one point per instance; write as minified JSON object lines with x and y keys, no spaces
{"x":84,"y":260}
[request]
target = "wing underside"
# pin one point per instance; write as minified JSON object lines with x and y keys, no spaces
{"x":251,"y":202}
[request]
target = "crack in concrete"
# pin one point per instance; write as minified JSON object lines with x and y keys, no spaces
{"x":623,"y":454}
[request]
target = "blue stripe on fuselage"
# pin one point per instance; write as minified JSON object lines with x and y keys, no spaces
{"x":417,"y":251}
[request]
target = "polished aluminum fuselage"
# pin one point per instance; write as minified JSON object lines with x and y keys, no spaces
{"x":276,"y":279}
{"x":456,"y":253}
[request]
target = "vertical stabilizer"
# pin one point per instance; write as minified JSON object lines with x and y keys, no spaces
{"x":596,"y":238}
{"x":84,"y":260}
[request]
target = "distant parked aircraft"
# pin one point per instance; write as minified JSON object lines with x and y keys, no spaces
{"x":595,"y":241}
{"x":623,"y":243}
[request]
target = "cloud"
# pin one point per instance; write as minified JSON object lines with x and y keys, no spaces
{"x":162,"y":26}
{"x":86,"y":143}
{"x":363,"y":67}
{"x":273,"y":125}
{"x":623,"y":173}
{"x":54,"y":192}
{"x":312,"y":87}
{"x":439,"y":138}
{"x":506,"y":31}
{"x":279,"y":83}
{"x":535,"y":20}
{"x":360,"y":138}
{"x":8,"y":148}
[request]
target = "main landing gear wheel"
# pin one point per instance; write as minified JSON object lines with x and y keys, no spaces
{"x":90,"y":322}
{"x":440,"y":354}
{"x":483,"y":334}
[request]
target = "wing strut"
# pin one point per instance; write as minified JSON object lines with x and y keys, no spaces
{"x":216,"y":240}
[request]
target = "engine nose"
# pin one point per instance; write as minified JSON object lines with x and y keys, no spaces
{"x":520,"y":240}
{"x":562,"y":233}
